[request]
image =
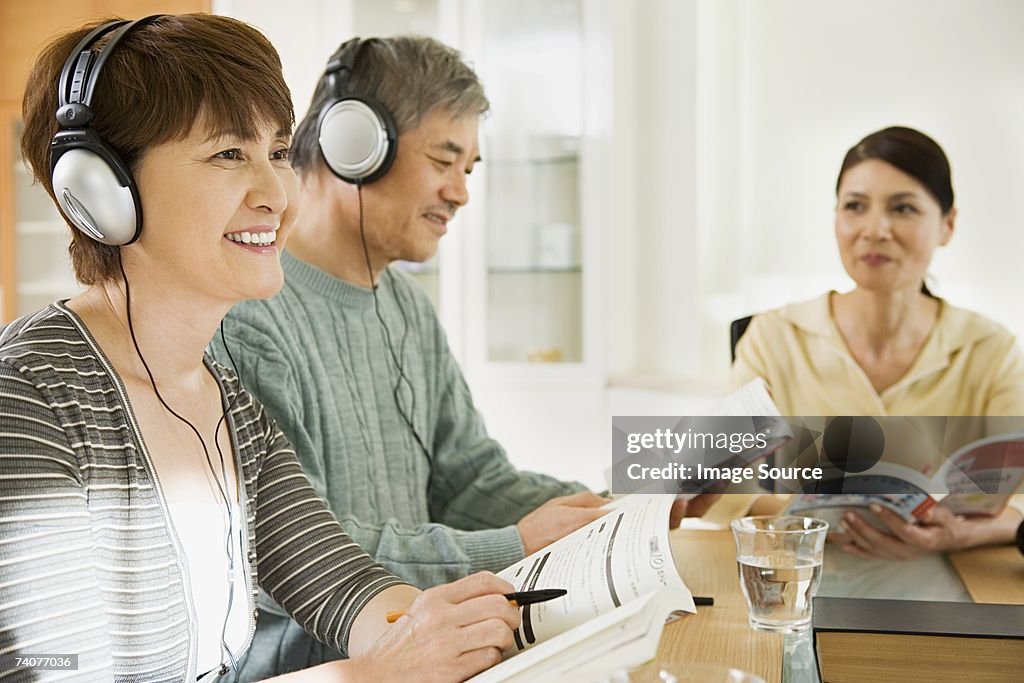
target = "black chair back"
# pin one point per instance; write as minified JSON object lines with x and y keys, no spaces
{"x":736,"y":330}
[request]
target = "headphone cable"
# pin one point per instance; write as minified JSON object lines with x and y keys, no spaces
{"x":395,"y":390}
{"x":231,"y":529}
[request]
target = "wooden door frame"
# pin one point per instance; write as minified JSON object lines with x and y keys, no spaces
{"x":10,"y":112}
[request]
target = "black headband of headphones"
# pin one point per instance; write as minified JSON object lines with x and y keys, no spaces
{"x":341,"y":65}
{"x":82,"y":69}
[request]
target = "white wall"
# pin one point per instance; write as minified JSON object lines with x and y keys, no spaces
{"x":664,"y":225}
{"x":565,"y":431}
{"x":305,"y":33}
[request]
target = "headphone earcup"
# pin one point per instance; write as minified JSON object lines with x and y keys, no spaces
{"x":95,"y":195}
{"x":357,"y":139}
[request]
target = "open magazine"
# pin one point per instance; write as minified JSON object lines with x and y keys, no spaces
{"x":976,"y":480}
{"x":622,"y":586}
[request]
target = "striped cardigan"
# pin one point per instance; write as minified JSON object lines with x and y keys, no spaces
{"x":89,"y":560}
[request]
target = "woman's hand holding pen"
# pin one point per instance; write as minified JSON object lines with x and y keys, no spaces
{"x":449,"y":633}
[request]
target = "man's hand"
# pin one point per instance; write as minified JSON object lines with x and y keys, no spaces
{"x":558,"y":517}
{"x":695,"y":507}
{"x":938,"y":531}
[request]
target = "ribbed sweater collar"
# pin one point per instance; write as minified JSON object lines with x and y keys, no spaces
{"x":300,"y":273}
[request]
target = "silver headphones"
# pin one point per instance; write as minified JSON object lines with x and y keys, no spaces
{"x":93,"y":186}
{"x":357,"y":135}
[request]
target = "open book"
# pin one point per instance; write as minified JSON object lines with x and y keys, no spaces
{"x":622,"y":586}
{"x":977,"y":479}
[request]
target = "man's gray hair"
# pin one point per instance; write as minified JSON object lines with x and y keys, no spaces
{"x":410,"y":76}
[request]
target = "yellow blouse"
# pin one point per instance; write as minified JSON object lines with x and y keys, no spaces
{"x":969,"y":365}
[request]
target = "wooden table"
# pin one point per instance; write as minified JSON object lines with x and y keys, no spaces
{"x":993,"y":574}
{"x":721,"y":635}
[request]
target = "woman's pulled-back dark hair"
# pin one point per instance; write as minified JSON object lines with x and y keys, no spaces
{"x":912,"y":152}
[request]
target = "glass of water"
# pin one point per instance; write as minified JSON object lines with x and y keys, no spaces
{"x":779,"y":562}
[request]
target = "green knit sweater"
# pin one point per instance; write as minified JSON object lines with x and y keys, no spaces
{"x":318,"y":359}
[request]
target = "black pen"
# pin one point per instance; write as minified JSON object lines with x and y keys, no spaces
{"x":524,"y":598}
{"x":520,"y":599}
{"x":702,"y":601}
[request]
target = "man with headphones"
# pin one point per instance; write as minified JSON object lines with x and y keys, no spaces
{"x":350,"y":357}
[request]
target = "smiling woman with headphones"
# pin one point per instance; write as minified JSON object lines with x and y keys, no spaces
{"x":144,"y":494}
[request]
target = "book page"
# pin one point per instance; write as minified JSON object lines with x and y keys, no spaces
{"x":623,"y":638}
{"x":609,"y":563}
{"x":750,"y":399}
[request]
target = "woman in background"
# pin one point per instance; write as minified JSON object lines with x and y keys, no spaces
{"x":890,"y":346}
{"x":145,"y":495}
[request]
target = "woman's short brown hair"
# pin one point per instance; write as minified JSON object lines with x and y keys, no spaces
{"x":154,"y":87}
